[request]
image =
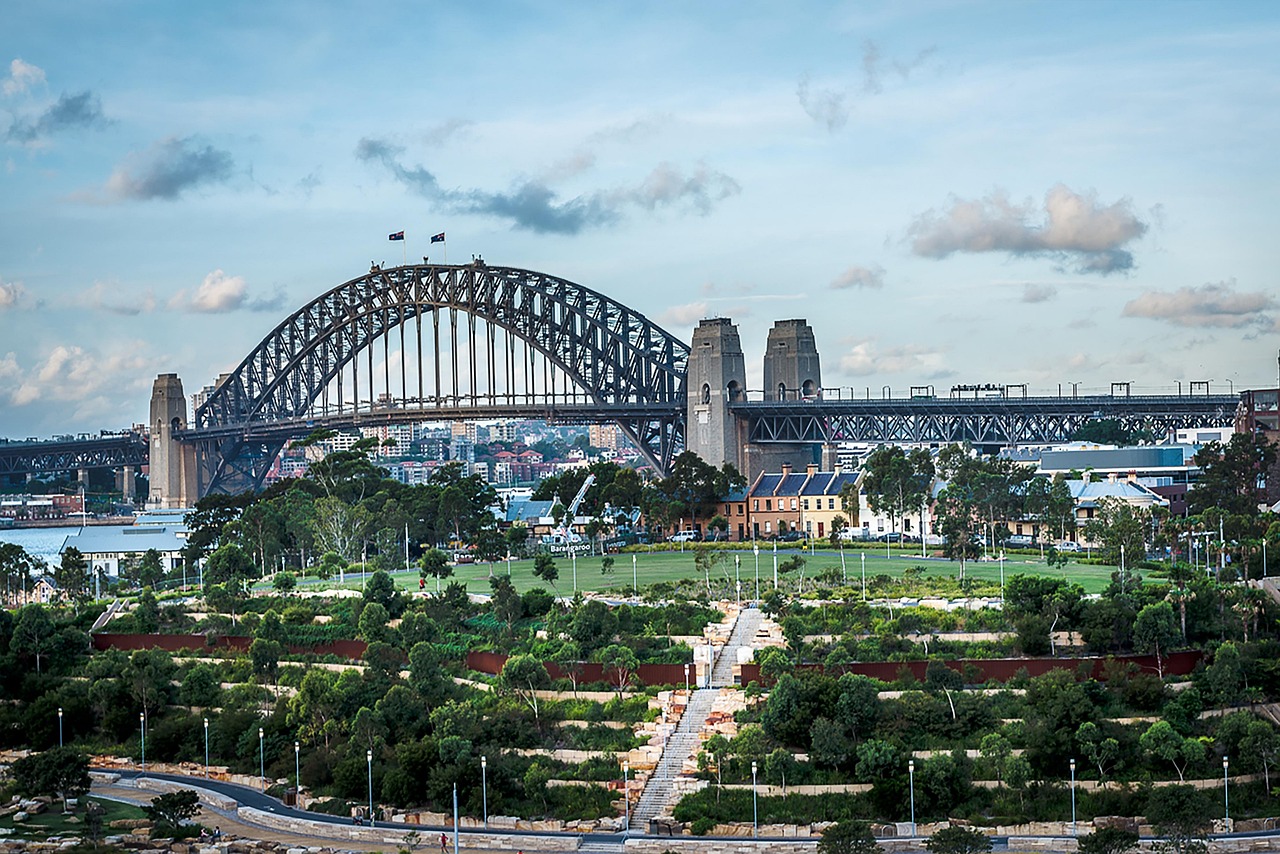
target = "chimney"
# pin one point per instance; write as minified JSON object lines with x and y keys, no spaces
{"x":837,"y":468}
{"x":1088,"y":477}
{"x":786,"y":469}
{"x":1111,"y":477}
{"x":811,"y":469}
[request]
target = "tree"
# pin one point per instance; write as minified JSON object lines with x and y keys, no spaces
{"x":777,"y":765}
{"x":957,"y":840}
{"x":434,"y":564}
{"x":172,"y":809}
{"x":620,"y":661}
{"x":895,"y":482}
{"x":72,"y":575}
{"x":33,"y":634}
{"x":1181,"y":814}
{"x":265,"y":656}
{"x":1261,"y":743}
{"x":544,"y":567}
{"x":373,"y":623}
{"x":524,"y":676}
{"x":381,"y":589}
{"x":230,"y":567}
{"x":848,"y":837}
{"x":201,"y":686}
{"x":284,"y":582}
{"x":1119,"y":525}
{"x":60,"y":772}
{"x":1108,"y":840}
{"x":1162,"y":741}
{"x":1100,"y":751}
{"x":146,"y":614}
{"x":829,"y":745}
{"x":1155,"y":631}
{"x":1230,"y":474}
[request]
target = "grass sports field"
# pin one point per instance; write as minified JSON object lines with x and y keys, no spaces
{"x":669,"y":566}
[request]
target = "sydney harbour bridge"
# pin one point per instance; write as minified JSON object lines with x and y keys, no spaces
{"x":472,"y":341}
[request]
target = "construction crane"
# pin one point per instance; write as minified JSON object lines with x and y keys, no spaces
{"x":564,"y":534}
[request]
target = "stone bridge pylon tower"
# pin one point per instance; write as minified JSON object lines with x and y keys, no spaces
{"x":172,"y":463}
{"x":717,"y":376}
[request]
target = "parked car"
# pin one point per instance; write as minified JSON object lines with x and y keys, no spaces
{"x":1069,"y":546}
{"x":1018,"y":541}
{"x":689,"y":536}
{"x":889,"y":537}
{"x":791,"y":537}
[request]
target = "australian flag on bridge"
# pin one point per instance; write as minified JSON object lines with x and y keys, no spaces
{"x":437,"y":238}
{"x":399,"y":235}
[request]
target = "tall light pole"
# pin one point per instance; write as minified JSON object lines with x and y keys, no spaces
{"x":368,"y":755}
{"x":755,"y":804}
{"x":911,"y":771}
{"x":573,"y":556}
{"x":1002,"y":575}
{"x":142,"y":727}
{"x":262,"y":759}
{"x":484,"y":786}
{"x":626,"y":799}
{"x":297,"y":771}
{"x":687,"y":677}
{"x":756,"y":549}
{"x":206,"y":748}
{"x":1122,"y":565}
{"x":1073,"y":797}
{"x":60,"y":726}
{"x":737,"y":576}
{"x":1226,"y":795}
{"x":635,"y":581}
{"x":863,"y":555}
{"x":775,"y":564}
{"x":455,"y":821}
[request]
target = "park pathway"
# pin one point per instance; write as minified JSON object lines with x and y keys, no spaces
{"x":656,"y":798}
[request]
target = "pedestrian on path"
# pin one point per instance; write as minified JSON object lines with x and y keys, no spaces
{"x":444,"y":843}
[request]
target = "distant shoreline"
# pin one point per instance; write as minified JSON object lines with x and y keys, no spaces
{"x":68,"y":522}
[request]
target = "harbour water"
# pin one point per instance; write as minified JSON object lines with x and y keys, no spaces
{"x":44,"y":543}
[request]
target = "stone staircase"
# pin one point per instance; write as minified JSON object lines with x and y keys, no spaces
{"x":598,"y":845}
{"x":679,"y":747}
{"x":743,"y":634}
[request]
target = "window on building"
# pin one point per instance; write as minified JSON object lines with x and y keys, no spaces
{"x":768,"y":504}
{"x":793,"y":504}
{"x":806,"y":504}
{"x":831,"y":504}
{"x":768,"y":526}
{"x":755,"y":504}
{"x":741,"y":507}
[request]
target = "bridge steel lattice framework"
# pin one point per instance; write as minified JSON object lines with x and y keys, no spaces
{"x":984,"y":421}
{"x":113,"y":451}
{"x":613,"y":365}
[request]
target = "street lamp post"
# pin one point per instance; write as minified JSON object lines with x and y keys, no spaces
{"x":484,"y":787}
{"x":775,"y":564}
{"x":737,"y":576}
{"x":1226,"y":796}
{"x":863,"y":555}
{"x":262,"y":759}
{"x":1073,"y":797}
{"x":1002,"y":575}
{"x":626,"y":799}
{"x":635,"y":581}
{"x":686,"y":677}
{"x":206,"y":748}
{"x":755,"y":804}
{"x":297,"y":771}
{"x":573,"y":556}
{"x":60,"y":726}
{"x":911,"y":771}
{"x":1122,"y":564}
{"x":368,"y":755}
{"x":142,"y":727}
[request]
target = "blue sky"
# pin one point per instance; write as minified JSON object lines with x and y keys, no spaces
{"x":950,"y":192}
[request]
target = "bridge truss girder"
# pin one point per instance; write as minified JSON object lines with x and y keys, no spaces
{"x":105,"y":453}
{"x":615,"y":357}
{"x":1007,"y":422}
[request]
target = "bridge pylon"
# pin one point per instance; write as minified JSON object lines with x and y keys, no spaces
{"x":717,"y":376}
{"x":172,"y":463}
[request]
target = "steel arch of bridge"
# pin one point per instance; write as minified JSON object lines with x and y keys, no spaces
{"x":1005,"y":421}
{"x":112,"y":451}
{"x":629,"y":370}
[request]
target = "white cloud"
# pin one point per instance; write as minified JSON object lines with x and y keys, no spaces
{"x":1034,"y":293}
{"x":1072,"y":227}
{"x":866,"y":358}
{"x":112,"y":299}
{"x":22,"y":76}
{"x":11,"y":293}
{"x":860,"y":277}
{"x":72,"y":374}
{"x":220,"y":293}
{"x":684,"y":315}
{"x":1216,"y":304}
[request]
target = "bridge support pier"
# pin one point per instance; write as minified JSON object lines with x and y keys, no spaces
{"x":82,"y":477}
{"x":126,"y":483}
{"x":717,"y":376}
{"x":172,"y":463}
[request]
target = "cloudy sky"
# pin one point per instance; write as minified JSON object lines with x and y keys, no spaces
{"x":950,"y":192}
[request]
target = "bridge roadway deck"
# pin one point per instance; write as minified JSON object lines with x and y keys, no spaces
{"x":1093,"y":405}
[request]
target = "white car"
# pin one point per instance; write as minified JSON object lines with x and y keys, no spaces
{"x":1069,"y":546}
{"x":683,"y":537}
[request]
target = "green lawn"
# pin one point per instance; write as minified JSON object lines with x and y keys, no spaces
{"x":669,"y":566}
{"x":54,"y":823}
